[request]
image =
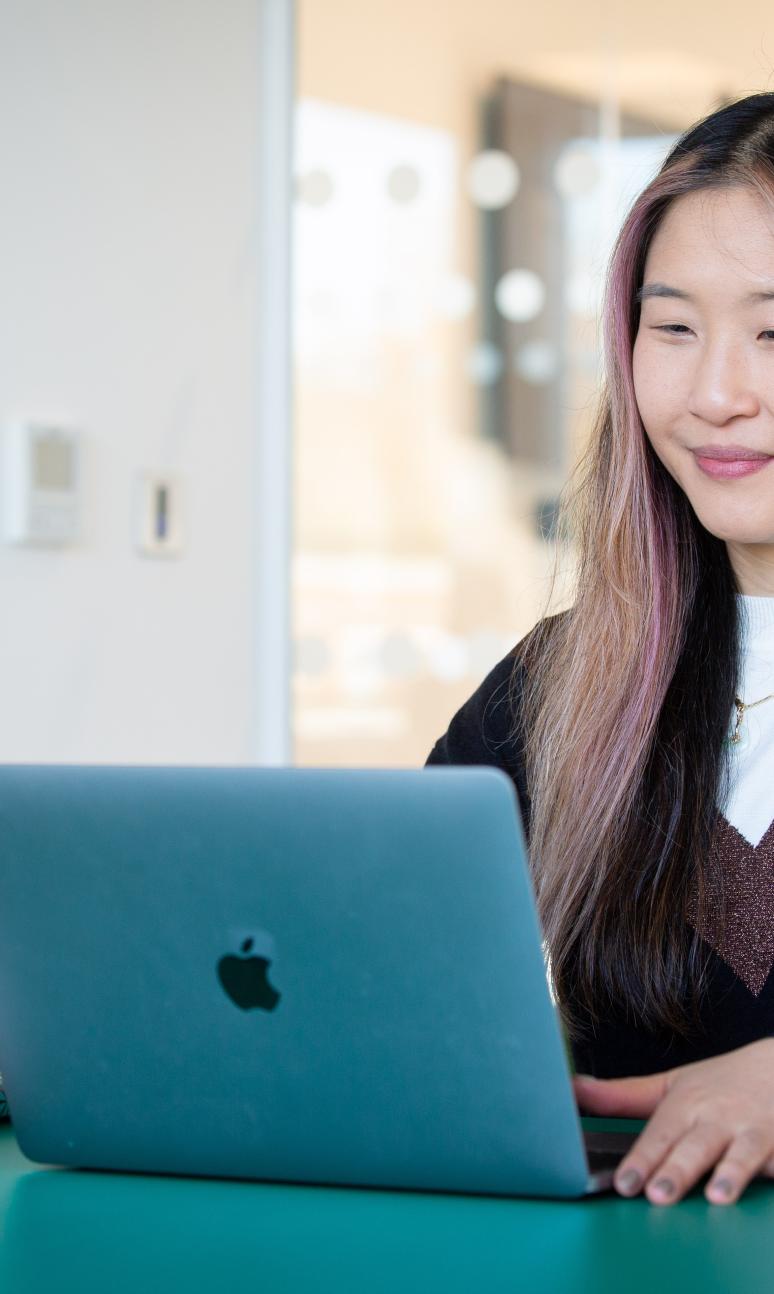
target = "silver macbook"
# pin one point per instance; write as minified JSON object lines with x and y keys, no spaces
{"x":288,"y":974}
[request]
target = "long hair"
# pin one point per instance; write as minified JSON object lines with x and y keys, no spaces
{"x":628,"y":695}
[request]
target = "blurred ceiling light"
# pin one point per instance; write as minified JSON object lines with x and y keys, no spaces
{"x":403,"y":183}
{"x":537,"y":362}
{"x":492,"y":179}
{"x":315,"y":188}
{"x":576,"y":170}
{"x":456,"y":296}
{"x":484,"y":363}
{"x":520,"y":295}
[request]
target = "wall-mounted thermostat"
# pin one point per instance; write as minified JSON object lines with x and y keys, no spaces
{"x":40,"y":484}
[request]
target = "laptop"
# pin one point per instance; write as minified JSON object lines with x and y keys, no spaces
{"x":286,"y":974}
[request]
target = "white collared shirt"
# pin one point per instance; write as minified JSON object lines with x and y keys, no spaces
{"x":750,"y":807}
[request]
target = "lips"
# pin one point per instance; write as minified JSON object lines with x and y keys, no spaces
{"x":730,"y":453}
{"x":729,"y":462}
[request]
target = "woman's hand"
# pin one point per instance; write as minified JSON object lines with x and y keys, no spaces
{"x":715,"y":1114}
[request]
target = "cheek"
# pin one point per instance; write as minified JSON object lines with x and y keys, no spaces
{"x":656,"y":405}
{"x":642,"y":390}
{"x":657,"y":400}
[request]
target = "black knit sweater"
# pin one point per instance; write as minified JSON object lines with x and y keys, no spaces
{"x":739,"y":1008}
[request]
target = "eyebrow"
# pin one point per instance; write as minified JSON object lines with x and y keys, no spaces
{"x":664,"y":290}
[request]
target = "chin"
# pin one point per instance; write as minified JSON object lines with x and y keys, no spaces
{"x":734,"y":534}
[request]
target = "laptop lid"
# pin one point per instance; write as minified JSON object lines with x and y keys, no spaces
{"x":318,"y":975}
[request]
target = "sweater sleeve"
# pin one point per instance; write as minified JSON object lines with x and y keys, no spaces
{"x":481,"y":732}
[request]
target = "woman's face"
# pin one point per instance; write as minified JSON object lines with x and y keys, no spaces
{"x":704,"y":365}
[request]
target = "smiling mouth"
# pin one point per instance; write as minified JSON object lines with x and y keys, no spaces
{"x":730,"y":454}
{"x":730,"y":469}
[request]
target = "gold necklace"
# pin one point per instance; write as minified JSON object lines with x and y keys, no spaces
{"x":741,"y":706}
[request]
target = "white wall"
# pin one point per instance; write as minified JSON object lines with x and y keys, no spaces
{"x":129,"y":165}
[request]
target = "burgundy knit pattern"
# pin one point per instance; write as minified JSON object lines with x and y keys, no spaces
{"x":747,"y":945}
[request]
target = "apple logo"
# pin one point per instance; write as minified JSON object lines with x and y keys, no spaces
{"x":244,"y":979}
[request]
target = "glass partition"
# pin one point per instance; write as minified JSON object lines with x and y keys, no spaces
{"x":461,"y":172}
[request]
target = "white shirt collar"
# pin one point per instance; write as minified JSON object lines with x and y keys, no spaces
{"x":757,"y":620}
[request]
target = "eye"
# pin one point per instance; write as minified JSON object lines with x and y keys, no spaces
{"x":675,"y":330}
{"x":768,"y":333}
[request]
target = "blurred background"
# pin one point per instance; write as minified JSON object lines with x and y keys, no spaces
{"x":299,"y":341}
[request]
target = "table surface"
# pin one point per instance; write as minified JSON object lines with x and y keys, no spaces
{"x":77,"y":1230}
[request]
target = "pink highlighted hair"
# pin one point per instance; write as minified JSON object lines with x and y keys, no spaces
{"x":628,"y":695}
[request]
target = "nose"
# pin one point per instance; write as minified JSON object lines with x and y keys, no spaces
{"x":722,"y":387}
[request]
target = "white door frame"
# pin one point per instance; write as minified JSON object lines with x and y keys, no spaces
{"x":272,"y":525}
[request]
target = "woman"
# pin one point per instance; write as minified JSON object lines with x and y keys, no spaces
{"x":638,"y":726}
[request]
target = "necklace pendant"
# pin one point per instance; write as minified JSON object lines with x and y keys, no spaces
{"x":740,"y":738}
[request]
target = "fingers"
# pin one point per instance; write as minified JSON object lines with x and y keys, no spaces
{"x":668,"y":1159}
{"x":748,"y":1154}
{"x":620,"y":1098}
{"x":668,"y":1162}
{"x":713,"y":1117}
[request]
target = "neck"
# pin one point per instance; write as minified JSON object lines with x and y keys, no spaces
{"x":753,"y":567}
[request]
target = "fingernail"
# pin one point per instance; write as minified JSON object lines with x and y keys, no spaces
{"x":664,"y":1186}
{"x":586,"y":1078}
{"x":628,"y":1182}
{"x":722,"y":1187}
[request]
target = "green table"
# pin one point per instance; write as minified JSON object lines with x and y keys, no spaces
{"x":63,"y":1230}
